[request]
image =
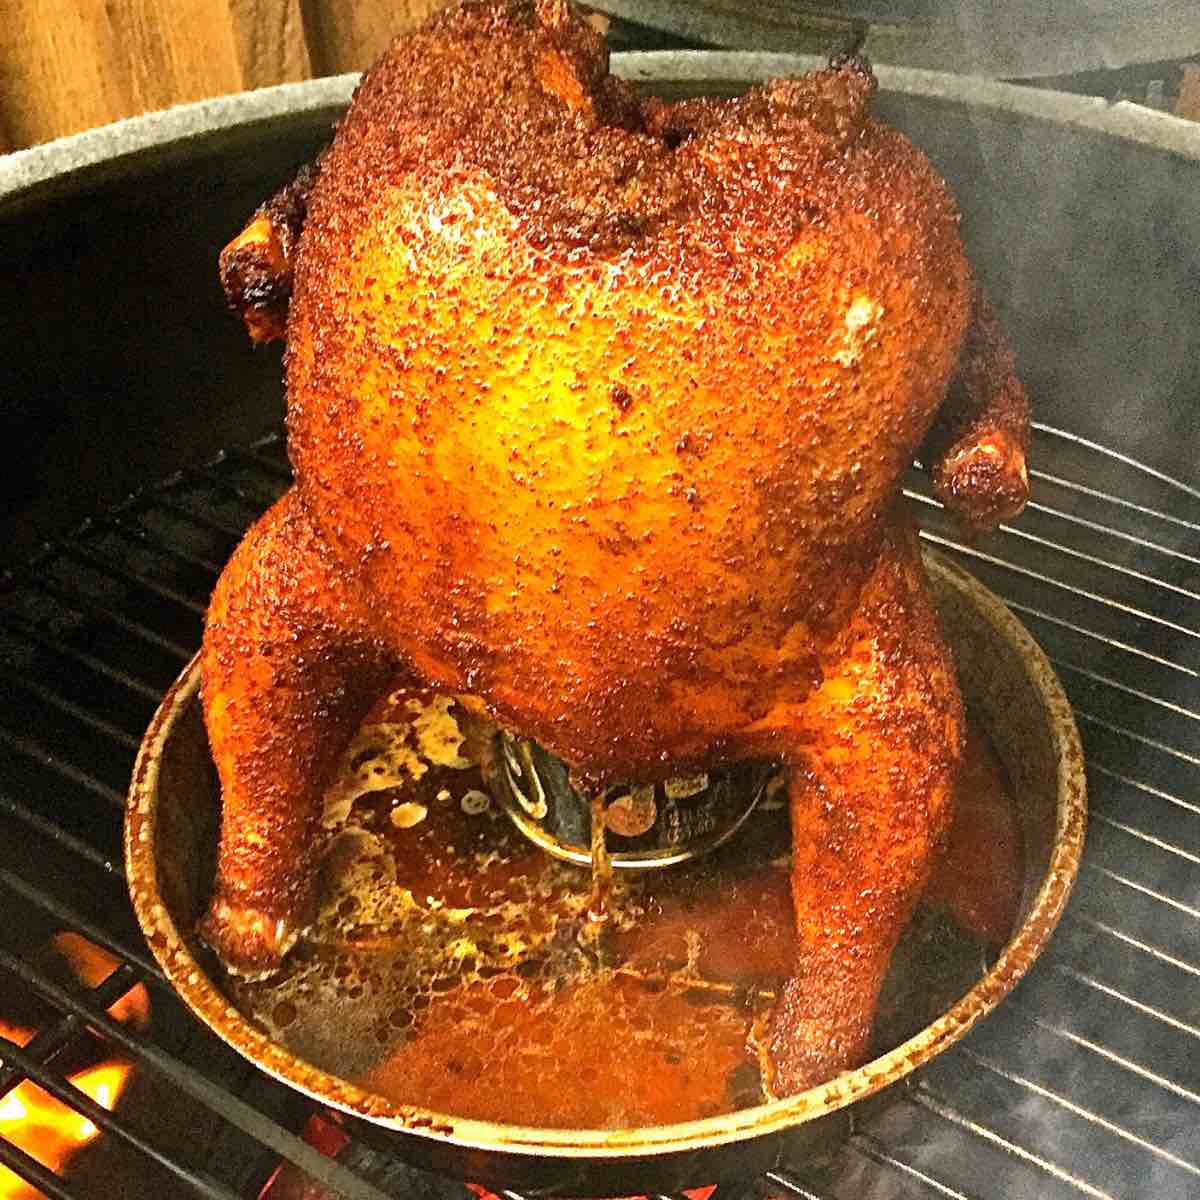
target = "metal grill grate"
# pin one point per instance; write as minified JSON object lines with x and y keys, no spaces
{"x":1085,"y":1082}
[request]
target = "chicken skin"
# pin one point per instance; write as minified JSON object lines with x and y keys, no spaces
{"x":598,"y":408}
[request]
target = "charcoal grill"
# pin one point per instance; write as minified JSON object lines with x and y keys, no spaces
{"x":119,"y":367}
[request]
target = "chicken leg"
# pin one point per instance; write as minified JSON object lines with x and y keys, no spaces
{"x":291,"y":663}
{"x":873,"y":754}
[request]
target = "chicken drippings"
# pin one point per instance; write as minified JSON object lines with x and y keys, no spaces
{"x":455,"y":966}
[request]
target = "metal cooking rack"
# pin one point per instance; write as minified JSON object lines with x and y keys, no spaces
{"x":1086,"y":1082}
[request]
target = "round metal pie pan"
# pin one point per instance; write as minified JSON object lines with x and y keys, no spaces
{"x":170,"y":840}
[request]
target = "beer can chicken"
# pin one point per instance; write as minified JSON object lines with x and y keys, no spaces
{"x":598,"y":407}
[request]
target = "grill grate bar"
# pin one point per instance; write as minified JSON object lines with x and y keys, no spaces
{"x":1120,"y":1060}
{"x":275,"y":469}
{"x":32,"y":1172}
{"x":870,"y":1147}
{"x":50,"y":830}
{"x":1149,"y":789}
{"x":1116,"y":994}
{"x":1149,"y":838}
{"x":200,"y":1182}
{"x":129,"y":577}
{"x":1124,"y":688}
{"x":199,"y":520}
{"x":791,"y":1185}
{"x":1060,"y":548}
{"x":1095,"y":494}
{"x":1040,"y":577}
{"x":1099,"y":527}
{"x":234,"y":1110}
{"x":19,"y":628}
{"x":140,"y":535}
{"x":69,"y":917}
{"x":1117,"y":456}
{"x":1152,"y":743}
{"x":937,"y":1105}
{"x":1149,"y":892}
{"x":51,"y":1042}
{"x":1137,"y":944}
{"x":23,"y":681}
{"x":1115,"y":643}
{"x":41,"y":755}
{"x":1078,"y":1110}
{"x":253,"y":505}
{"x":85,"y":605}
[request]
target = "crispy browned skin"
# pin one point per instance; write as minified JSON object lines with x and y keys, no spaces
{"x":257,"y":266}
{"x":980,"y":439}
{"x":291,"y":658}
{"x":598,"y":409}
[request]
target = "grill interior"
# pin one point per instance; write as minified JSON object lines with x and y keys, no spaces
{"x":1085,"y":1082}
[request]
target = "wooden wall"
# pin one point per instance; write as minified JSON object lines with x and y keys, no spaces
{"x":67,"y":65}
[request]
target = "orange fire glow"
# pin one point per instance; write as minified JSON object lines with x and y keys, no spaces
{"x":43,"y":1127}
{"x":92,"y":966}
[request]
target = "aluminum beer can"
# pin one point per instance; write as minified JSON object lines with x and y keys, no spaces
{"x":646,"y":826}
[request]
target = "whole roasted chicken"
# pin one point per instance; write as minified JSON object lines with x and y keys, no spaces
{"x":598,"y":407}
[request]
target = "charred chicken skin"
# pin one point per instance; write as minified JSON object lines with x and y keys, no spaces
{"x":598,"y":408}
